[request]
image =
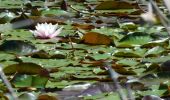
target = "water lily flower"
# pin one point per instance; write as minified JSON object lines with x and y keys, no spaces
{"x":149,"y":16}
{"x":46,"y":31}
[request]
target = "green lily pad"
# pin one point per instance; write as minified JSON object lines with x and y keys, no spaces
{"x":129,"y":26}
{"x":29,"y":81}
{"x":127,"y":62}
{"x":136,"y":38}
{"x":155,"y":51}
{"x":54,"y":12}
{"x":129,"y":52}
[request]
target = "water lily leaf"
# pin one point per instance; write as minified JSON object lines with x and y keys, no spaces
{"x":47,"y":97}
{"x":156,"y":60}
{"x":40,"y":54}
{"x":129,"y":53}
{"x":7,"y":4}
{"x":17,"y":47}
{"x":162,"y":42}
{"x":129,"y":26}
{"x":44,"y":55}
{"x":103,"y":96}
{"x":152,"y":68}
{"x":83,"y":26}
{"x":97,"y":56}
{"x":136,"y":38}
{"x":29,"y":81}
{"x":95,"y":38}
{"x":155,"y":51}
{"x":23,"y":21}
{"x":156,"y":78}
{"x":121,"y":70}
{"x":3,"y":20}
{"x":153,"y":91}
{"x":111,"y":5}
{"x":6,"y":16}
{"x":5,"y":27}
{"x":27,"y":96}
{"x":110,"y":32}
{"x":25,"y":68}
{"x":35,"y":12}
{"x":127,"y":62}
{"x":126,"y":54}
{"x":6,"y":57}
{"x":54,"y":12}
{"x":165,"y":66}
{"x":151,"y":97}
{"x":23,"y":16}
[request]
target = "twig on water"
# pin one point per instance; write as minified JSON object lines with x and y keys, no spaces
{"x":7,"y":83}
{"x":164,"y":20}
{"x":114,"y":77}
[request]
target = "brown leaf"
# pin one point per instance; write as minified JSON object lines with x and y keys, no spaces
{"x":83,"y":26}
{"x":111,"y":5}
{"x":121,"y":70}
{"x":35,"y":12}
{"x":46,"y":97}
{"x":95,"y":38}
{"x":26,"y":68}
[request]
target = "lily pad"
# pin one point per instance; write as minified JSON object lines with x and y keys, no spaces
{"x":25,"y":68}
{"x":155,"y":51}
{"x":29,"y":81}
{"x":111,"y":5}
{"x":27,"y":96}
{"x":17,"y":47}
{"x":136,"y":38}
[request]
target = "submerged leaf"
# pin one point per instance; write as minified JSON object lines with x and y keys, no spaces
{"x":17,"y":47}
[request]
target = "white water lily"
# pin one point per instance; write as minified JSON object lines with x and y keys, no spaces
{"x":46,"y":31}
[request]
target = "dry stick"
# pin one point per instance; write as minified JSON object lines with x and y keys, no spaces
{"x":167,"y":4}
{"x":7,"y":83}
{"x":163,"y":19}
{"x":129,"y":92}
{"x":114,"y":77}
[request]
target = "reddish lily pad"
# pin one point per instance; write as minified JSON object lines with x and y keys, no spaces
{"x":26,"y":68}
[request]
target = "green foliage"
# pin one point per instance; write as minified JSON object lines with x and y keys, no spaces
{"x":136,"y":50}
